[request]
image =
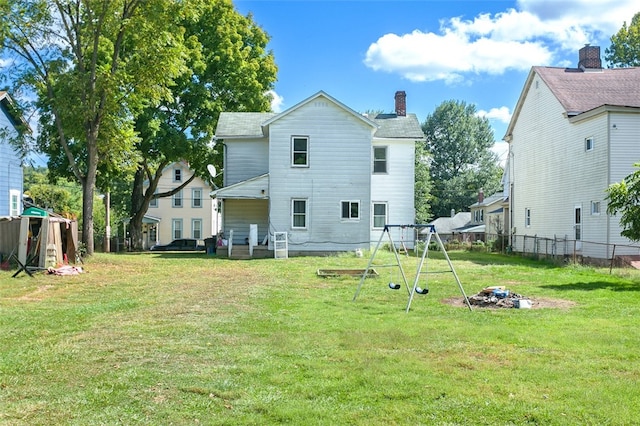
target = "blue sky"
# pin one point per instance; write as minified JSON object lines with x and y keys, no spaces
{"x":362,"y":52}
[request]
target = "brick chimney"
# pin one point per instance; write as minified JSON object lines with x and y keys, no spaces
{"x":401,"y":103}
{"x":589,"y":58}
{"x":480,"y":196}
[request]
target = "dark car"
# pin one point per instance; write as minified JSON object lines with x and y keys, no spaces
{"x":181,"y":244}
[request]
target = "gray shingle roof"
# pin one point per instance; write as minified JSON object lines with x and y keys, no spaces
{"x":237,"y":124}
{"x":392,"y":126}
{"x":580,"y":91}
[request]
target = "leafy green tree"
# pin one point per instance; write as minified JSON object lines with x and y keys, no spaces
{"x":462,"y":162}
{"x":422,"y":189}
{"x":228,"y":69}
{"x":92,"y":64}
{"x":624,"y":197}
{"x":625,"y":45}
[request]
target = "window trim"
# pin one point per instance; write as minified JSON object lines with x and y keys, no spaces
{"x":589,"y":144}
{"x":194,"y":198}
{"x":175,"y":228}
{"x":175,"y":197}
{"x":595,"y":208}
{"x":385,"y":149}
{"x":350,"y":207}
{"x":193,"y":228}
{"x":294,"y":152}
{"x":294,"y":214}
{"x":177,"y":174}
{"x":14,"y":196}
{"x":374,"y":215}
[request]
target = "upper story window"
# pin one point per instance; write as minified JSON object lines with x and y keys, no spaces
{"x":588,"y":144}
{"x":154,"y":201}
{"x":177,"y":175}
{"x":350,"y":210}
{"x":299,"y":213}
{"x":176,"y":200}
{"x":478,"y":216}
{"x":196,"y":197}
{"x":380,"y":159}
{"x":527,"y":217}
{"x":300,"y":151}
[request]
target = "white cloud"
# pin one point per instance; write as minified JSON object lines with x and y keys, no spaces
{"x":276,"y":101}
{"x":538,"y":32}
{"x":501,"y":114}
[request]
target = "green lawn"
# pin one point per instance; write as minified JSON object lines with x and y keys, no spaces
{"x":160,"y":339}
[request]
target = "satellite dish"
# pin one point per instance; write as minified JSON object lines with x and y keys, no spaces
{"x":212,"y":170}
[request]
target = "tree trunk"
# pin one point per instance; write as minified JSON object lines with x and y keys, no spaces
{"x":137,"y":210}
{"x":88,"y":190}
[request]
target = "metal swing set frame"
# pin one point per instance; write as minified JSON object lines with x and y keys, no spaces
{"x":422,"y":264}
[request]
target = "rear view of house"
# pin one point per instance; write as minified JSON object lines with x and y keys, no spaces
{"x":574,"y":132}
{"x":329,"y":177}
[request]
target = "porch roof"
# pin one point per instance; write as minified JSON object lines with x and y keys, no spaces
{"x":254,"y":188}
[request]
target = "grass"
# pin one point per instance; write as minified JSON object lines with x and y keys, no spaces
{"x":191,"y":339}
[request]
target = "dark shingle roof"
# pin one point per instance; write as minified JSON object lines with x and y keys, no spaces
{"x":579,"y":91}
{"x":393,"y":126}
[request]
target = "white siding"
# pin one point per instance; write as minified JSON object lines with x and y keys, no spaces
{"x":624,"y":152}
{"x":250,"y":158}
{"x":553,"y":173}
{"x":239,"y":214}
{"x":10,"y":167}
{"x":396,"y":188}
{"x":339,"y":169}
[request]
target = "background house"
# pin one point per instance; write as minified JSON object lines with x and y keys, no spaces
{"x":11,"y":175}
{"x":191,"y":213}
{"x":574,"y":132}
{"x":488,"y":219}
{"x":328,"y":176}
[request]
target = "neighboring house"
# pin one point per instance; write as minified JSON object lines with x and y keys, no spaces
{"x":329,"y":177}
{"x":488,"y":219}
{"x":190,"y":213}
{"x":574,"y":132}
{"x":449,"y":228}
{"x":11,"y":175}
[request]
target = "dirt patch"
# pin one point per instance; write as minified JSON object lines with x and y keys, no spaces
{"x":536,"y":303}
{"x":37,"y":294}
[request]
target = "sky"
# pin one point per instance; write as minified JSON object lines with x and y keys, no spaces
{"x":480,"y":52}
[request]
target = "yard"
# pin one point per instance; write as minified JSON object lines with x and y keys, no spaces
{"x":177,"y":338}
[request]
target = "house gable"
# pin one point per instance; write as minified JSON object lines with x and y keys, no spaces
{"x":11,"y":174}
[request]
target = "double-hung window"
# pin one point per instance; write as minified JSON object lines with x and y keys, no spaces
{"x":379,"y":215}
{"x":300,"y":151}
{"x":350,"y":210}
{"x":196,"y":228}
{"x":380,"y":159}
{"x":176,"y":228}
{"x":196,"y":198}
{"x":176,"y":200}
{"x":299,"y":213}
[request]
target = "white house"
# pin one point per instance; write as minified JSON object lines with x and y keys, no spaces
{"x":190,"y":213}
{"x":329,"y":177}
{"x":574,"y":132}
{"x":11,"y":175}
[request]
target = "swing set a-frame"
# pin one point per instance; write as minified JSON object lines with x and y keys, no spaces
{"x":422,"y":264}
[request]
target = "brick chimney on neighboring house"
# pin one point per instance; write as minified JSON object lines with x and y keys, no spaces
{"x":401,"y":103}
{"x":480,"y":196}
{"x":589,"y":58}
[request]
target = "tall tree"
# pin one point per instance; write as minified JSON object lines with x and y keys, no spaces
{"x":624,"y":197}
{"x":625,"y":45}
{"x":92,"y":65}
{"x":462,"y":161}
{"x":422,"y":191}
{"x":228,"y":68}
